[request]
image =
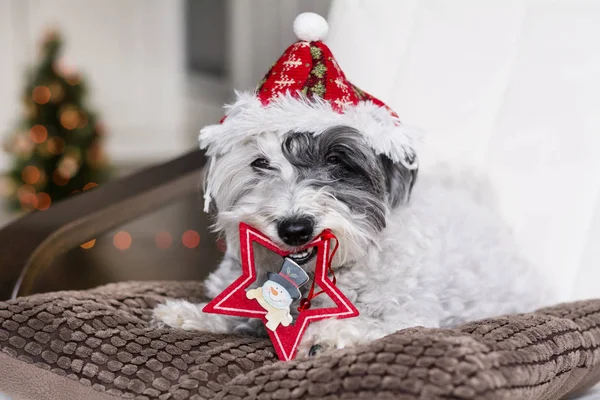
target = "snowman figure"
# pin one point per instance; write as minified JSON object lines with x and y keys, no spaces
{"x":278,"y":292}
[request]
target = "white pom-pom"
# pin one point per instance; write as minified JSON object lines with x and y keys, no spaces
{"x":310,"y":27}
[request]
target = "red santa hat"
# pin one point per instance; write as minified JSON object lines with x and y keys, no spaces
{"x":306,"y":91}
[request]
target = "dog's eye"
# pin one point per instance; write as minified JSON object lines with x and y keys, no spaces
{"x":333,"y":159}
{"x":261,"y":163}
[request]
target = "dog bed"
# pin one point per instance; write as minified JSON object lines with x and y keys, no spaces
{"x":97,"y":344}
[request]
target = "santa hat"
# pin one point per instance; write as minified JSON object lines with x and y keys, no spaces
{"x":306,"y":91}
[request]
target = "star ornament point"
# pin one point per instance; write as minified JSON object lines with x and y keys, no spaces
{"x":285,"y":339}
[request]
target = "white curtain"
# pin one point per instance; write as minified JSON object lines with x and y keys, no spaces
{"x":509,"y":87}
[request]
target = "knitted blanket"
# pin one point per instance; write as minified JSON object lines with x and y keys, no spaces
{"x":97,"y":344}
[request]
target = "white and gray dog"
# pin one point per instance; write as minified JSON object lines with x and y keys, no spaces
{"x":430,"y":251}
{"x":309,"y":151}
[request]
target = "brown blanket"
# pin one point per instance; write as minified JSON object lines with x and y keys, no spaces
{"x":97,"y":345}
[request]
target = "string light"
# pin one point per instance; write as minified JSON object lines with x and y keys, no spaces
{"x":28,"y":203}
{"x":41,"y":94}
{"x":43,"y":178}
{"x":88,"y":245}
{"x":38,"y":133}
{"x":56,"y":145}
{"x":63,"y":66}
{"x":30,"y":109}
{"x":25,"y":189}
{"x":163,"y":240}
{"x":43,"y":201}
{"x":122,"y":240}
{"x":58,"y":179}
{"x":21,"y":145}
{"x":190,"y":239}
{"x":69,"y":118}
{"x":83,"y":121}
{"x":73,"y":79}
{"x":27,"y":197}
{"x":30,"y":174}
{"x":57,"y":92}
{"x":90,"y":186}
{"x":68,"y":167}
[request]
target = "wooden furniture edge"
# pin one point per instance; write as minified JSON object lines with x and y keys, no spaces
{"x":32,"y":241}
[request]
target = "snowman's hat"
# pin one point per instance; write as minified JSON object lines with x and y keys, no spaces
{"x":291,"y":277}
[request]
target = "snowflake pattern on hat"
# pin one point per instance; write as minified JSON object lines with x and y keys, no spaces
{"x":309,"y":68}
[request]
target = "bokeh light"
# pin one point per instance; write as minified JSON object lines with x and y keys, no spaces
{"x":63,"y":66}
{"x":122,"y":240}
{"x":43,"y":201}
{"x":56,"y":145}
{"x":57,"y":92}
{"x":30,"y":110}
{"x":27,"y":197}
{"x":88,"y":245}
{"x":41,"y":94}
{"x":38,"y":133}
{"x":30,"y":174}
{"x":163,"y":240}
{"x":83,"y":121}
{"x":68,"y":167}
{"x":25,"y":189}
{"x":59,"y":179}
{"x":190,"y":239}
{"x":90,"y":185}
{"x":73,"y":79}
{"x":69,"y":118}
{"x":221,"y":245}
{"x":21,"y":145}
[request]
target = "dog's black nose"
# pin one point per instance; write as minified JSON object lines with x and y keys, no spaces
{"x":295,"y":231}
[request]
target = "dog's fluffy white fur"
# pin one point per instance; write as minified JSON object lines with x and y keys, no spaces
{"x":444,"y":257}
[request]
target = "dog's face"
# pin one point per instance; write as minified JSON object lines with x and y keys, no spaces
{"x":292,"y":188}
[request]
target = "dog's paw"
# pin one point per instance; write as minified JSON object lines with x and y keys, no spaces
{"x":252,"y":327}
{"x":319,"y":348}
{"x":184,"y":315}
{"x":328,"y":335}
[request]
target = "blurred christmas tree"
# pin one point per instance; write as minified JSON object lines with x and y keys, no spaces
{"x":57,"y":146}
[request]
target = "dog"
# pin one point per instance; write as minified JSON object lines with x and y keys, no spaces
{"x":417,"y":248}
{"x":308,"y":151}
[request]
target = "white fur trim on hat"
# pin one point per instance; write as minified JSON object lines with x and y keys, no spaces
{"x":249,"y":117}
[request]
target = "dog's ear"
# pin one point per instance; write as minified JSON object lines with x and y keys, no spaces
{"x":400,"y":178}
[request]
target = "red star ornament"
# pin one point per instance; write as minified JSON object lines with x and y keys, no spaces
{"x":285,"y":339}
